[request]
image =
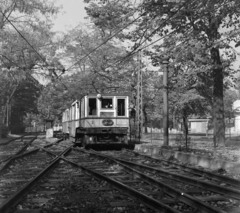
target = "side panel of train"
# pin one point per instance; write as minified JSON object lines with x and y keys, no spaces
{"x":70,"y":119}
{"x":98,"y":119}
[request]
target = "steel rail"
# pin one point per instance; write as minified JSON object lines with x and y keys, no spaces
{"x":56,"y":142}
{"x":13,"y":139}
{"x":6,"y":165}
{"x":233,"y":193}
{"x":15,"y":156}
{"x":188,"y":199}
{"x":49,"y":152}
{"x":26,"y":146}
{"x":15,"y":198}
{"x":228,"y":180}
{"x":151,"y":202}
{"x":19,"y":151}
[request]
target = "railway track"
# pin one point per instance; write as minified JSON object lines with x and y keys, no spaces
{"x":60,"y":178}
{"x":218,"y":192}
{"x":15,"y":146}
{"x":22,"y":167}
{"x":35,"y":179}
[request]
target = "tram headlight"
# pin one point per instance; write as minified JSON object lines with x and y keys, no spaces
{"x":90,"y":139}
{"x":99,"y":96}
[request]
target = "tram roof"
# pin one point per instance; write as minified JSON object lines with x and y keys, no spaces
{"x":109,"y":94}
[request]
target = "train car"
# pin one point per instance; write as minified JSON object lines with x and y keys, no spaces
{"x":98,"y":119}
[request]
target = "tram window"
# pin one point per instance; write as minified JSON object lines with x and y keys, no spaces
{"x":107,"y":103}
{"x":92,"y":104}
{"x":121,"y":107}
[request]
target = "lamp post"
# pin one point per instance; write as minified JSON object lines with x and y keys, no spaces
{"x":165,"y":62}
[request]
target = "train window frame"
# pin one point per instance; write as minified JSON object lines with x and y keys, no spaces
{"x":124,"y":109}
{"x":107,"y":108}
{"x":92,"y":110}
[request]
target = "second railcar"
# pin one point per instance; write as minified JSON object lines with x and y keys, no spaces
{"x":98,"y":119}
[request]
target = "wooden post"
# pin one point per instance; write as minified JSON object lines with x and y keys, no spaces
{"x":165,"y":103}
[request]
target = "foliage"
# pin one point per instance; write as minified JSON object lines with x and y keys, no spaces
{"x":27,"y":94}
{"x":202,"y":21}
{"x":229,"y":97}
{"x":205,"y":28}
{"x":25,"y":30}
{"x":52,"y":102}
{"x":98,"y":65}
{"x":24,"y":101}
{"x":110,"y":16}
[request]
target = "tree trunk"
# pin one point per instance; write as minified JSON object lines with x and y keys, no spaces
{"x":185,"y":130}
{"x":145,"y":118}
{"x":218,"y":105}
{"x":1,"y":123}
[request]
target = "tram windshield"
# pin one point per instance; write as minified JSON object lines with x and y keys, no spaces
{"x":107,"y":103}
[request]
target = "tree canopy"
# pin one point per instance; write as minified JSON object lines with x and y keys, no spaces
{"x":24,"y":32}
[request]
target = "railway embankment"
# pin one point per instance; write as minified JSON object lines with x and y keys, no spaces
{"x":200,"y":152}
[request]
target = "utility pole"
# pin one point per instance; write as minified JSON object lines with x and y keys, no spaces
{"x":165,"y":62}
{"x":139,"y":99}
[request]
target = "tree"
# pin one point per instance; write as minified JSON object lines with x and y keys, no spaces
{"x":110,"y":16}
{"x":229,"y":97}
{"x":98,"y":62}
{"x":214,"y":23}
{"x":203,"y":21}
{"x":53,"y":101}
{"x":25,"y":29}
{"x":24,"y":102}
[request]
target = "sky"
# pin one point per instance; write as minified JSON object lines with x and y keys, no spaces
{"x":72,"y":13}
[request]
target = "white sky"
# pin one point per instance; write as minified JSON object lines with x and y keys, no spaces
{"x":72,"y":13}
